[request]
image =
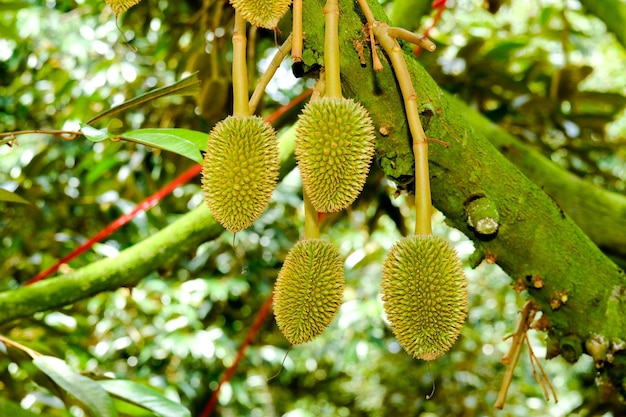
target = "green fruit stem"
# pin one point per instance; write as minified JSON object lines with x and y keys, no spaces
{"x":423,"y":201}
{"x":296,"y":31}
{"x":331,"y":49}
{"x":240,"y":73}
{"x":311,"y":220}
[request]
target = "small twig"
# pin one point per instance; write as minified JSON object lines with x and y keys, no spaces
{"x":543,"y":380}
{"x":331,"y":49}
{"x":369,"y":16}
{"x":423,"y":201}
{"x":414,"y":38}
{"x":30,"y":352}
{"x":265,"y":308}
{"x":512,"y":356}
{"x":65,"y":134}
{"x":525,"y":323}
{"x":239,"y":68}
{"x":264,"y":80}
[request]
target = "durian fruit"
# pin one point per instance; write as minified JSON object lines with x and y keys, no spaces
{"x":120,"y":6}
{"x":240,"y":170}
{"x":309,"y":290}
{"x":262,"y":13}
{"x":424,"y":295}
{"x":334,"y":147}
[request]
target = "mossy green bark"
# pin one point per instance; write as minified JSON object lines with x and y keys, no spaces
{"x":536,"y":241}
{"x":132,"y":264}
{"x":125,"y":270}
{"x":601,"y":214}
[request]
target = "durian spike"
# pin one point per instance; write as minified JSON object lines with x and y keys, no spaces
{"x":240,"y":72}
{"x":423,"y":200}
{"x":331,"y":49}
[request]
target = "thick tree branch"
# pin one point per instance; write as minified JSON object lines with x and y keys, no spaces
{"x":540,"y":247}
{"x":601,"y":214}
{"x":132,"y":264}
{"x":127,"y":269}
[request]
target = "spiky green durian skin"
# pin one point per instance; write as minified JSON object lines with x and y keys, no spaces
{"x":263,"y":13}
{"x":425,"y":295}
{"x":334,"y":148}
{"x":240,"y":170}
{"x":309,"y":290}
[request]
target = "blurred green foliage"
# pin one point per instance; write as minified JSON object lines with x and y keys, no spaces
{"x":551,"y":76}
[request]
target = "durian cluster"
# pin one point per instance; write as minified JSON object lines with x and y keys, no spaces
{"x":423,"y":285}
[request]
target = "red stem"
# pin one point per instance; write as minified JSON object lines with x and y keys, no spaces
{"x":265,"y":308}
{"x":150,"y":201}
{"x":440,"y":6}
{"x":145,"y":205}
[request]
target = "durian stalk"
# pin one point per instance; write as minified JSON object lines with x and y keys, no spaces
{"x":296,"y":32}
{"x":331,"y":49}
{"x":311,"y":219}
{"x":423,"y":200}
{"x":240,"y":73}
{"x":267,"y":75}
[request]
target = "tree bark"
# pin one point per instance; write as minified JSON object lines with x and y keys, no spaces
{"x":578,"y":288}
{"x":600,"y":213}
{"x":125,"y":270}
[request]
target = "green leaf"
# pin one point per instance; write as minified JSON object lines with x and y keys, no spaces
{"x":93,"y":134}
{"x":9,"y":408}
{"x":13,"y":198}
{"x":187,"y":86}
{"x":145,"y":397}
{"x":84,"y":389}
{"x":185,"y":142}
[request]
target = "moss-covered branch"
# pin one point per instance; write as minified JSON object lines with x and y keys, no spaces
{"x":573,"y":282}
{"x":601,"y":214}
{"x":127,"y":269}
{"x":132,"y":264}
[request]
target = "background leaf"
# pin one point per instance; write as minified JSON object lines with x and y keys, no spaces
{"x":9,"y":408}
{"x":184,"y":142}
{"x":145,"y":397}
{"x":87,"y":391}
{"x":93,"y":134}
{"x":12,"y":197}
